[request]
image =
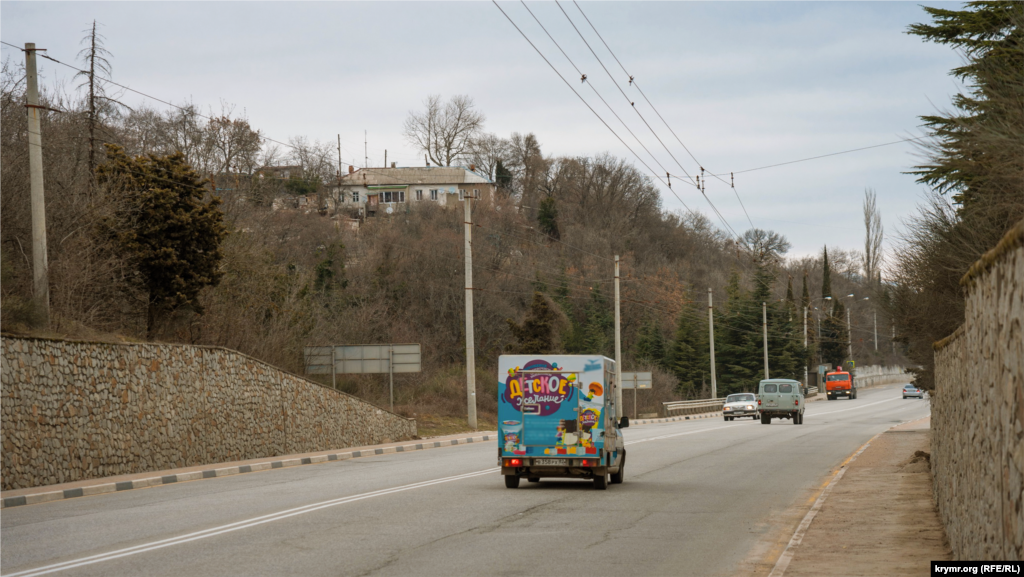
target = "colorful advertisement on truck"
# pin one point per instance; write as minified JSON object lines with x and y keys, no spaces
{"x":557,"y":418}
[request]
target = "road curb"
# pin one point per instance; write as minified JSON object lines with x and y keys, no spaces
{"x":679,"y":418}
{"x":102,"y":486}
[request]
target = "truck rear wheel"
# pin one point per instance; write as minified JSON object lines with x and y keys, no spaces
{"x":601,"y":482}
{"x":765,"y":419}
{"x":511,"y":481}
{"x":617,"y":477}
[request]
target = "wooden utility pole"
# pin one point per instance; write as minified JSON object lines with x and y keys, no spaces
{"x":470,"y":351}
{"x":40,"y":268}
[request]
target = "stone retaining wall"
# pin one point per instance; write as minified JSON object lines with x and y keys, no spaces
{"x":73,"y":410}
{"x":978,"y":412}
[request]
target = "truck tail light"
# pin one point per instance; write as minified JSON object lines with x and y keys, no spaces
{"x":759,"y":401}
{"x":513,"y":462}
{"x":588,"y":462}
{"x":796,"y":402}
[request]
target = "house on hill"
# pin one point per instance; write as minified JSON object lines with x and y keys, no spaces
{"x":387,"y":190}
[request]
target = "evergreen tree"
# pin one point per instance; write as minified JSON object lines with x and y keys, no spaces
{"x":650,"y":344}
{"x":536,"y":335}
{"x":547,"y":218}
{"x":738,"y":340}
{"x":503,"y":177}
{"x":834,"y":336}
{"x":169,"y":233}
{"x":826,"y":275}
{"x":687,"y":357}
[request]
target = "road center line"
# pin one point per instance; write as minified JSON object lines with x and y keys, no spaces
{"x":855,"y":408}
{"x":237,"y":525}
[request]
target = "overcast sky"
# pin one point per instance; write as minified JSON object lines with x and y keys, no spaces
{"x":742,"y":84}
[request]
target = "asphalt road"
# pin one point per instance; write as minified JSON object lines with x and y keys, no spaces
{"x":703,"y":497}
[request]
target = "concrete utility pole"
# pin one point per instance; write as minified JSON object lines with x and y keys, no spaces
{"x":764,"y":321}
{"x":711,"y":335}
{"x":894,"y":339}
{"x":875,"y":315}
{"x":807,"y":383}
{"x":849,"y":335}
{"x":618,"y":348}
{"x":470,"y":351}
{"x":40,"y":268}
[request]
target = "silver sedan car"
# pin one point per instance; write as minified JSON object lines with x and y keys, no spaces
{"x":912,"y":391}
{"x":740,"y":405}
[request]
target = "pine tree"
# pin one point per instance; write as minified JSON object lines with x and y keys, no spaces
{"x":834,"y":336}
{"x":650,"y":344}
{"x":687,"y":356}
{"x":547,"y":218}
{"x":169,"y":234}
{"x":738,"y":340}
{"x":536,"y":335}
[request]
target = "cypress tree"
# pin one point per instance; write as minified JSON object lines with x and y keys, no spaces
{"x":650,"y":346}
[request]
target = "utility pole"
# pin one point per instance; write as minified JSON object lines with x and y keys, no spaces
{"x":40,"y":268}
{"x":618,"y":348}
{"x":894,"y":339}
{"x":470,"y":352}
{"x":875,"y":315}
{"x":711,"y":334}
{"x":849,"y":335}
{"x":764,"y":321}
{"x":807,"y":382}
{"x":366,"y":152}
{"x":339,"y":156}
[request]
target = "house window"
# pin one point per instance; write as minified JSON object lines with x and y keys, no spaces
{"x":462,"y":194}
{"x":476,"y":193}
{"x":393,"y":196}
{"x":433,"y":194}
{"x":419,"y":194}
{"x":355,"y":196}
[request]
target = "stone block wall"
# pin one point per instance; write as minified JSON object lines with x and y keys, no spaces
{"x":978,"y":412}
{"x":73,"y":410}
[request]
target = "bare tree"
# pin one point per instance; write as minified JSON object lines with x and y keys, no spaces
{"x":872,"y":239}
{"x":445,"y":129}
{"x":765,"y":246}
{"x":96,"y":57}
{"x":486,"y":151}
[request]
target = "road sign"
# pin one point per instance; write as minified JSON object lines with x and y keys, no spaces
{"x":637,"y":380}
{"x":363,"y":359}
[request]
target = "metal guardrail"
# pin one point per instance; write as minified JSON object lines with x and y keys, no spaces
{"x":704,"y":405}
{"x":692,"y":407}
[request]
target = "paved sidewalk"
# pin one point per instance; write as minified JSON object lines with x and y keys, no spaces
{"x":879,"y":519}
{"x":33,"y":495}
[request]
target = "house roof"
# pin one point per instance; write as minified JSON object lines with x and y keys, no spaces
{"x":425,"y":175}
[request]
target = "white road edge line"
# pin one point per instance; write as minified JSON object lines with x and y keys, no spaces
{"x":236,"y":526}
{"x":798,"y":536}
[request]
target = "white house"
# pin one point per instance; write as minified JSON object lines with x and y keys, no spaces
{"x":387,"y":190}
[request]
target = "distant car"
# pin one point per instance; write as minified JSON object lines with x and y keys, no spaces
{"x":912,"y":391}
{"x":740,"y":405}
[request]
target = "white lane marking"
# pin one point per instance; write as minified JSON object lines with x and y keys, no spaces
{"x":855,"y":408}
{"x":237,"y":525}
{"x":678,"y":434}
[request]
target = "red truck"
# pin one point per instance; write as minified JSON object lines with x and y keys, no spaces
{"x":840,"y":383}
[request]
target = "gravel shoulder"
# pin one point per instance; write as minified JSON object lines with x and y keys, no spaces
{"x":880,"y":518}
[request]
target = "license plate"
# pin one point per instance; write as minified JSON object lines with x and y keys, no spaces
{"x":555,"y":462}
{"x":772,"y":404}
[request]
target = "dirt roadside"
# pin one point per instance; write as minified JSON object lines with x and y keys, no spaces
{"x":879,"y":519}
